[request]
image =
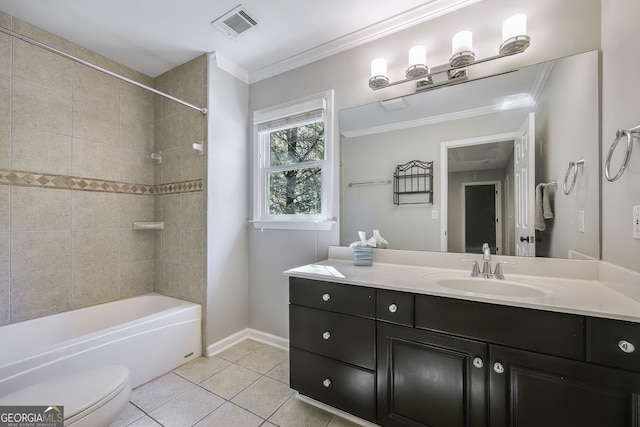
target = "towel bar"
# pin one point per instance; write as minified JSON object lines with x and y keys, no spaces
{"x":629,"y":133}
{"x":572,"y":166}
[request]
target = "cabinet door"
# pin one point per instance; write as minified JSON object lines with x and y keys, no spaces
{"x":529,"y":389}
{"x":429,"y":379}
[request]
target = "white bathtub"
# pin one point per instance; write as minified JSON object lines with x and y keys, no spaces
{"x":149,"y":334}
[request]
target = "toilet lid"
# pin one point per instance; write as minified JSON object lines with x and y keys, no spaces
{"x":77,"y":392}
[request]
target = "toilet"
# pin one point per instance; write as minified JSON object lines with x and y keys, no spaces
{"x":91,"y":398}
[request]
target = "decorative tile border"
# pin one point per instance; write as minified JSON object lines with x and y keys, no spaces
{"x":63,"y":182}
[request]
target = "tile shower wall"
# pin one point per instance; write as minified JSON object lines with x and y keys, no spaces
{"x":180,"y":267}
{"x":75,"y":172}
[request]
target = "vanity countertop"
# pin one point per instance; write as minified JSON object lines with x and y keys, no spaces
{"x":567,"y":295}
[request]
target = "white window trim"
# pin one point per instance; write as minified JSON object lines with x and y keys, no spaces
{"x":324,"y":221}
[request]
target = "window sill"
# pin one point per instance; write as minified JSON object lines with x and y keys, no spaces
{"x":326,"y":225}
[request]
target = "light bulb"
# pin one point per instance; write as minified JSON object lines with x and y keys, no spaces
{"x":462,"y":42}
{"x":417,"y":56}
{"x":513,"y":26}
{"x":379,"y":67}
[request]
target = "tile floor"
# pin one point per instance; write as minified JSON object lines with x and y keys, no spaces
{"x":246,"y":385}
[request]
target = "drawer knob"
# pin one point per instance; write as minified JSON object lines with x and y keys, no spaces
{"x":326,"y":335}
{"x":626,"y":346}
{"x":498,"y":368}
{"x":393,"y":308}
{"x":326,"y":297}
{"x":326,"y":383}
{"x":478,"y":363}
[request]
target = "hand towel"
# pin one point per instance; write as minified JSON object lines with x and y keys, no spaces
{"x":546,"y":204}
{"x":538,"y":222}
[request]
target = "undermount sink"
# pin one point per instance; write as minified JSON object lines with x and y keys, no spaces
{"x":494,"y":287}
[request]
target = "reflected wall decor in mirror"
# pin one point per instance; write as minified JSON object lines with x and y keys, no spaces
{"x":479,"y":134}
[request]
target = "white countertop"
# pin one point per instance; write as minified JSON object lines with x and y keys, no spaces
{"x":562,"y":294}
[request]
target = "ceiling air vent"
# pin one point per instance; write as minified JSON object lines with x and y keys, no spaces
{"x":234,"y":22}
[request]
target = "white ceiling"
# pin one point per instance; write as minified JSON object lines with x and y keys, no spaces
{"x":154,"y":36}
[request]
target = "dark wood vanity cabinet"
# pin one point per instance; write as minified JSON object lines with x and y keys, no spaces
{"x":403,"y":359}
{"x":430,"y":379}
{"x":332,"y":335}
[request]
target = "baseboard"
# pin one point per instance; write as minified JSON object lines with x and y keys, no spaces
{"x":248,"y":333}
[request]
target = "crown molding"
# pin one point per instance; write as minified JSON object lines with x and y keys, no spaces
{"x":426,"y":12}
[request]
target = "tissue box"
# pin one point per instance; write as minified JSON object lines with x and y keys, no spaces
{"x":363,"y":255}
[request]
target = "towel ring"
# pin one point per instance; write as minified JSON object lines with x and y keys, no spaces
{"x":629,"y":133}
{"x":573,"y":166}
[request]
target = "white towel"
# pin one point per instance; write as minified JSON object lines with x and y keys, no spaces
{"x":542,"y":207}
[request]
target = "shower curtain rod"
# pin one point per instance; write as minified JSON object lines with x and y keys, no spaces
{"x":202,"y":110}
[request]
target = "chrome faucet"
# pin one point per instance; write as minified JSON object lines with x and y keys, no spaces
{"x":486,"y":257}
{"x":486,"y":267}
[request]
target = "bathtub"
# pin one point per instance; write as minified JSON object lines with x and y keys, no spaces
{"x":150,"y":334}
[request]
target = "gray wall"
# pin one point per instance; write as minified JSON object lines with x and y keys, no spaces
{"x":620,"y":94}
{"x":347,"y":73}
{"x":571,"y":92}
{"x":227,"y":206}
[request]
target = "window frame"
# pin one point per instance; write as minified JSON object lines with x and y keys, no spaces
{"x":261,"y":149}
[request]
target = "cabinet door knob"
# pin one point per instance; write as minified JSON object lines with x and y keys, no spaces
{"x":498,"y":367}
{"x":478,"y":363}
{"x":326,"y":383}
{"x":326,"y":297}
{"x":393,"y":308}
{"x":626,"y":346}
{"x":326,"y":335}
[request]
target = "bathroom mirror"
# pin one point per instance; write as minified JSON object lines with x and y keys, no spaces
{"x":473,"y":132}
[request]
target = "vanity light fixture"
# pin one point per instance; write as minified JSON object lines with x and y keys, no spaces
{"x":514,"y":41}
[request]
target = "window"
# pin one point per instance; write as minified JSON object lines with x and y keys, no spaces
{"x":293,"y":165}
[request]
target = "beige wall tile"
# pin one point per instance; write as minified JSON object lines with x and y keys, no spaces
{"x":95,"y":285}
{"x":137,"y":245}
{"x":135,"y":166}
{"x":36,"y":107}
{"x":40,"y":151}
{"x":38,"y":252}
{"x":35,"y":209}
{"x":192,"y":210}
{"x":136,"y":133}
{"x":171,"y":129}
{"x":193,"y":165}
{"x":136,"y":278}
{"x":168,"y":278}
{"x":93,"y":248}
{"x":171,"y":166}
{"x":35,"y":65}
{"x":132,"y":208}
{"x":137,"y":102}
{"x":192,"y":245}
{"x":95,"y":160}
{"x":91,"y":210}
{"x":42,"y":36}
{"x":5,"y":252}
{"x":170,"y":210}
{"x":5,"y":99}
{"x":95,"y":86}
{"x":192,"y":281}
{"x":5,"y":146}
{"x":5,"y":302}
{"x":5,"y":54}
{"x":40,"y":295}
{"x":170,"y":244}
{"x":95,"y":121}
{"x":5,"y":208}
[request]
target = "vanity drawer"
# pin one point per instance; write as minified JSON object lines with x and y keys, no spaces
{"x":547,"y":332}
{"x":355,"y":300}
{"x":614,"y":343}
{"x":339,"y":336}
{"x":395,"y":307}
{"x":336,"y":384}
